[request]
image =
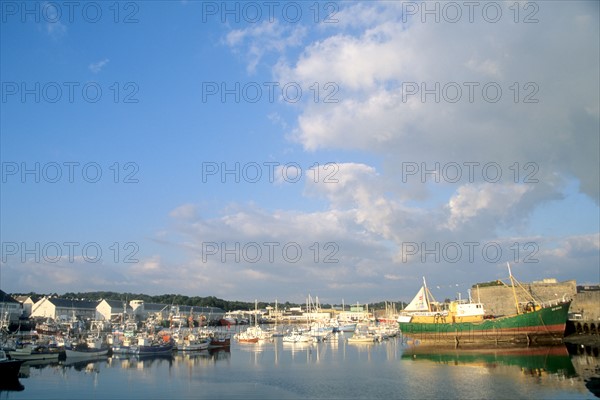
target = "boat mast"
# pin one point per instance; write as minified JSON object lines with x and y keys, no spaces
{"x":512,"y":283}
{"x":427,"y":295}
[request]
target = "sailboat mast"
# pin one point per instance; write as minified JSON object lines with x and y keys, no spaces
{"x":427,"y":295}
{"x":512,"y":283}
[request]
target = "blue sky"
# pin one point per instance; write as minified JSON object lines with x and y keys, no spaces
{"x":379,"y":103}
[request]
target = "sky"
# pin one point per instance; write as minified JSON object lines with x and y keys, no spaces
{"x":272,"y":150}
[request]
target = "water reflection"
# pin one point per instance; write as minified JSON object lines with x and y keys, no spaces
{"x":141,"y":362}
{"x":30,"y":366}
{"x":12,"y":385}
{"x":87,"y":365}
{"x":586,"y":361}
{"x":532,"y":361}
{"x":335,"y":367}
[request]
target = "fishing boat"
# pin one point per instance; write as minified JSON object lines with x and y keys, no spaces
{"x":85,"y":353}
{"x":220,"y":339}
{"x":126,"y":346}
{"x":48,"y":327}
{"x":148,"y":347}
{"x":251,"y":335}
{"x":93,"y":347}
{"x":192,"y":342}
{"x":426,"y":322}
{"x":34,"y":352}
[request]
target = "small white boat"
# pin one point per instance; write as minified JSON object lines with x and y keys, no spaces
{"x":297,"y":337}
{"x":362,"y":335}
{"x":192,"y":342}
{"x":33,"y":352}
{"x":361,"y":338}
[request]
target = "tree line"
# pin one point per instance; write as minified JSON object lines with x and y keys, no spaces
{"x":195,"y":301}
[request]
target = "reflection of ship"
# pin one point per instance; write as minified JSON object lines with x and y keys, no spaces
{"x":586,"y":360}
{"x":90,"y":364}
{"x":27,"y":366}
{"x":426,"y":321}
{"x":554,"y":360}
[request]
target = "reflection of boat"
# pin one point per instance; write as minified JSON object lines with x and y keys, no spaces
{"x":553,"y":359}
{"x":33,"y":352}
{"x":84,"y":364}
{"x":11,"y":386}
{"x":424,"y":320}
{"x":220,"y":353}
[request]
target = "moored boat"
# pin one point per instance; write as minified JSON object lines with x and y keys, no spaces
{"x":425,"y":322}
{"x":9,"y":369}
{"x":192,"y":342}
{"x":220,"y":339}
{"x":85,"y":353}
{"x":346,"y":327}
{"x":93,"y":346}
{"x":34,"y":352}
{"x":147,"y":347}
{"x":362,"y":335}
{"x":297,"y":337}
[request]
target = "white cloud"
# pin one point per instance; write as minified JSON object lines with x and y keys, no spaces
{"x":263,"y":38}
{"x":184,"y":211}
{"x":495,"y":200}
{"x":98,"y":66}
{"x":376,"y":64}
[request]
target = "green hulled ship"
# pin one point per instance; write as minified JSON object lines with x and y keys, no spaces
{"x":463,"y":323}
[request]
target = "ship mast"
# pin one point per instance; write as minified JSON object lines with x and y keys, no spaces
{"x":512,"y":283}
{"x":427,"y":295}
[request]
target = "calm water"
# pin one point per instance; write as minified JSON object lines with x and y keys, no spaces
{"x":331,"y":370}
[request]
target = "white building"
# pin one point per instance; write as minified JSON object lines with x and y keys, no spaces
{"x":111,"y":310}
{"x":10,"y":308}
{"x":27,"y":302}
{"x":52,"y":307}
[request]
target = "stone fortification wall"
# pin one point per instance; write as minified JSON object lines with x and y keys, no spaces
{"x":499,"y":300}
{"x":588,"y":305}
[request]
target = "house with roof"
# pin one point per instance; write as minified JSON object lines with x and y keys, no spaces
{"x":52,"y":307}
{"x":27,"y":302}
{"x":111,"y":310}
{"x":10,"y":309}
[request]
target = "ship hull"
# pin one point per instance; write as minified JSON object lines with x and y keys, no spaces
{"x":544,"y":326}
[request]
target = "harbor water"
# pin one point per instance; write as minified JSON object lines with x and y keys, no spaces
{"x":335,"y":369}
